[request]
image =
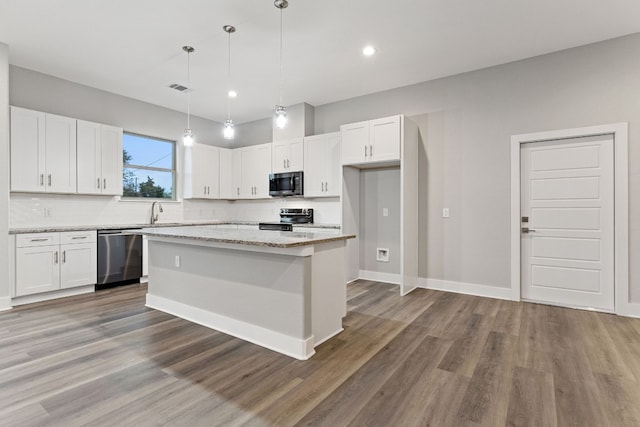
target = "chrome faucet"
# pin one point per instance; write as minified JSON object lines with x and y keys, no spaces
{"x":154,"y":218}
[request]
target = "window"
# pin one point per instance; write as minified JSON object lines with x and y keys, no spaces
{"x":149,"y":167}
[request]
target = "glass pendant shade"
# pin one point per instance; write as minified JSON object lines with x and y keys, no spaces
{"x":281,"y":117}
{"x":187,"y":138}
{"x":228,"y":131}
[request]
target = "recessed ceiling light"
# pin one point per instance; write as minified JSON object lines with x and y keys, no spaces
{"x":369,"y":50}
{"x":232,"y":94}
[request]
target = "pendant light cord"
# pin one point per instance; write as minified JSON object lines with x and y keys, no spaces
{"x":188,"y":89}
{"x":229,"y":79}
{"x":280,"y":56}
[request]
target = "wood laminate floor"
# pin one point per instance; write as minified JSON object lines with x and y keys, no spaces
{"x":428,"y":359}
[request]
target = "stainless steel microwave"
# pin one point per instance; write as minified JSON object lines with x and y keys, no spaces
{"x":286,"y":184}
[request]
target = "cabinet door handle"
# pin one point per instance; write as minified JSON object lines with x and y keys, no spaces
{"x":370,"y":150}
{"x":104,"y":184}
{"x":288,"y":164}
{"x":326,"y":186}
{"x":238,"y":190}
{"x":98,"y":183}
{"x":284,"y":163}
{"x":64,"y":257}
{"x":49,"y":180}
{"x":41,"y":179}
{"x":208,"y":190}
{"x":365,"y":151}
{"x":55,"y":257}
{"x":204,"y":189}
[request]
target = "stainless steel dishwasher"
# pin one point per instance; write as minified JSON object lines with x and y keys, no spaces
{"x":119,"y":257}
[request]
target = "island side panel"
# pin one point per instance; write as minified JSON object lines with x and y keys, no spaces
{"x":260,"y":297}
{"x":329,"y":290}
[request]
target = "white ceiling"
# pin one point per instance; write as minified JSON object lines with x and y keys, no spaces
{"x":134,"y":48}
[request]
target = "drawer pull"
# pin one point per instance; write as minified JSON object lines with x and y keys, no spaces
{"x":39,"y":240}
{"x":78,"y":237}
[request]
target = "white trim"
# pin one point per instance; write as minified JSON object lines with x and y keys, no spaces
{"x":5,"y":303}
{"x":465,"y":288}
{"x":377,"y":276}
{"x":301,"y":349}
{"x":621,"y":177}
{"x":630,"y":309}
{"x":62,"y":293}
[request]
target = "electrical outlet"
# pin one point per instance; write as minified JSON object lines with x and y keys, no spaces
{"x":385,"y":211}
{"x":445,"y":212}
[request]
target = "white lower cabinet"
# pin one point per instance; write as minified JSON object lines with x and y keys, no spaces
{"x":51,"y":261}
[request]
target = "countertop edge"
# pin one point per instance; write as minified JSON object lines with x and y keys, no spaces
{"x":323,"y":239}
{"x":63,"y":228}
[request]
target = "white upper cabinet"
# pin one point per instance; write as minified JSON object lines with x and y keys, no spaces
{"x":43,"y":152}
{"x":355,"y":142}
{"x":371,"y":142}
{"x":288,"y":156}
{"x":99,"y":158}
{"x":58,"y":154}
{"x":322,"y":166}
{"x":203,"y":180}
{"x":230,"y":173}
{"x":27,"y":150}
{"x":111,"y":160}
{"x":255,"y":167}
{"x":227,"y":190}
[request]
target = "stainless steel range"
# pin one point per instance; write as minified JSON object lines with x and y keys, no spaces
{"x":288,"y":217}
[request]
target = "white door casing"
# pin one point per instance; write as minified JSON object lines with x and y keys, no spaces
{"x":567,"y":199}
{"x":623,"y":305}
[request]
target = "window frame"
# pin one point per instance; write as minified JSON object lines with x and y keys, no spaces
{"x":173,"y":170}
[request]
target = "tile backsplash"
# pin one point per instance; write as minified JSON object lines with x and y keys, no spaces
{"x":39,"y":210}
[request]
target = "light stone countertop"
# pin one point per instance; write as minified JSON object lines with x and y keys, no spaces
{"x":268,"y":238}
{"x":62,"y":228}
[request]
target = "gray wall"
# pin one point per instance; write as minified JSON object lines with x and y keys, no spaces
{"x":30,"y":89}
{"x":466,"y":124}
{"x":379,"y":190}
{"x":4,"y":175}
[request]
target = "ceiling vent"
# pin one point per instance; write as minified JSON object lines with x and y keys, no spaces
{"x":179,"y":87}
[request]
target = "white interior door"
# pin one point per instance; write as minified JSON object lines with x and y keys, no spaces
{"x":567,"y":200}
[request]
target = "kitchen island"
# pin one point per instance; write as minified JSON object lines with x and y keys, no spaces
{"x":285,"y":291}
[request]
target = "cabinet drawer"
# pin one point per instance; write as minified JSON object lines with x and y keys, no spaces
{"x":37,"y":239}
{"x":85,"y":236}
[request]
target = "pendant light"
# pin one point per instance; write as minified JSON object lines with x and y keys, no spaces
{"x":280,"y":117}
{"x":187,"y":138}
{"x":228,"y":131}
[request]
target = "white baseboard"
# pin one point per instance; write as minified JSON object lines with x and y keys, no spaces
{"x":5,"y":303}
{"x":301,"y":349}
{"x":466,"y":288}
{"x":630,"y":309}
{"x":380,"y":277}
{"x":29,"y":299}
